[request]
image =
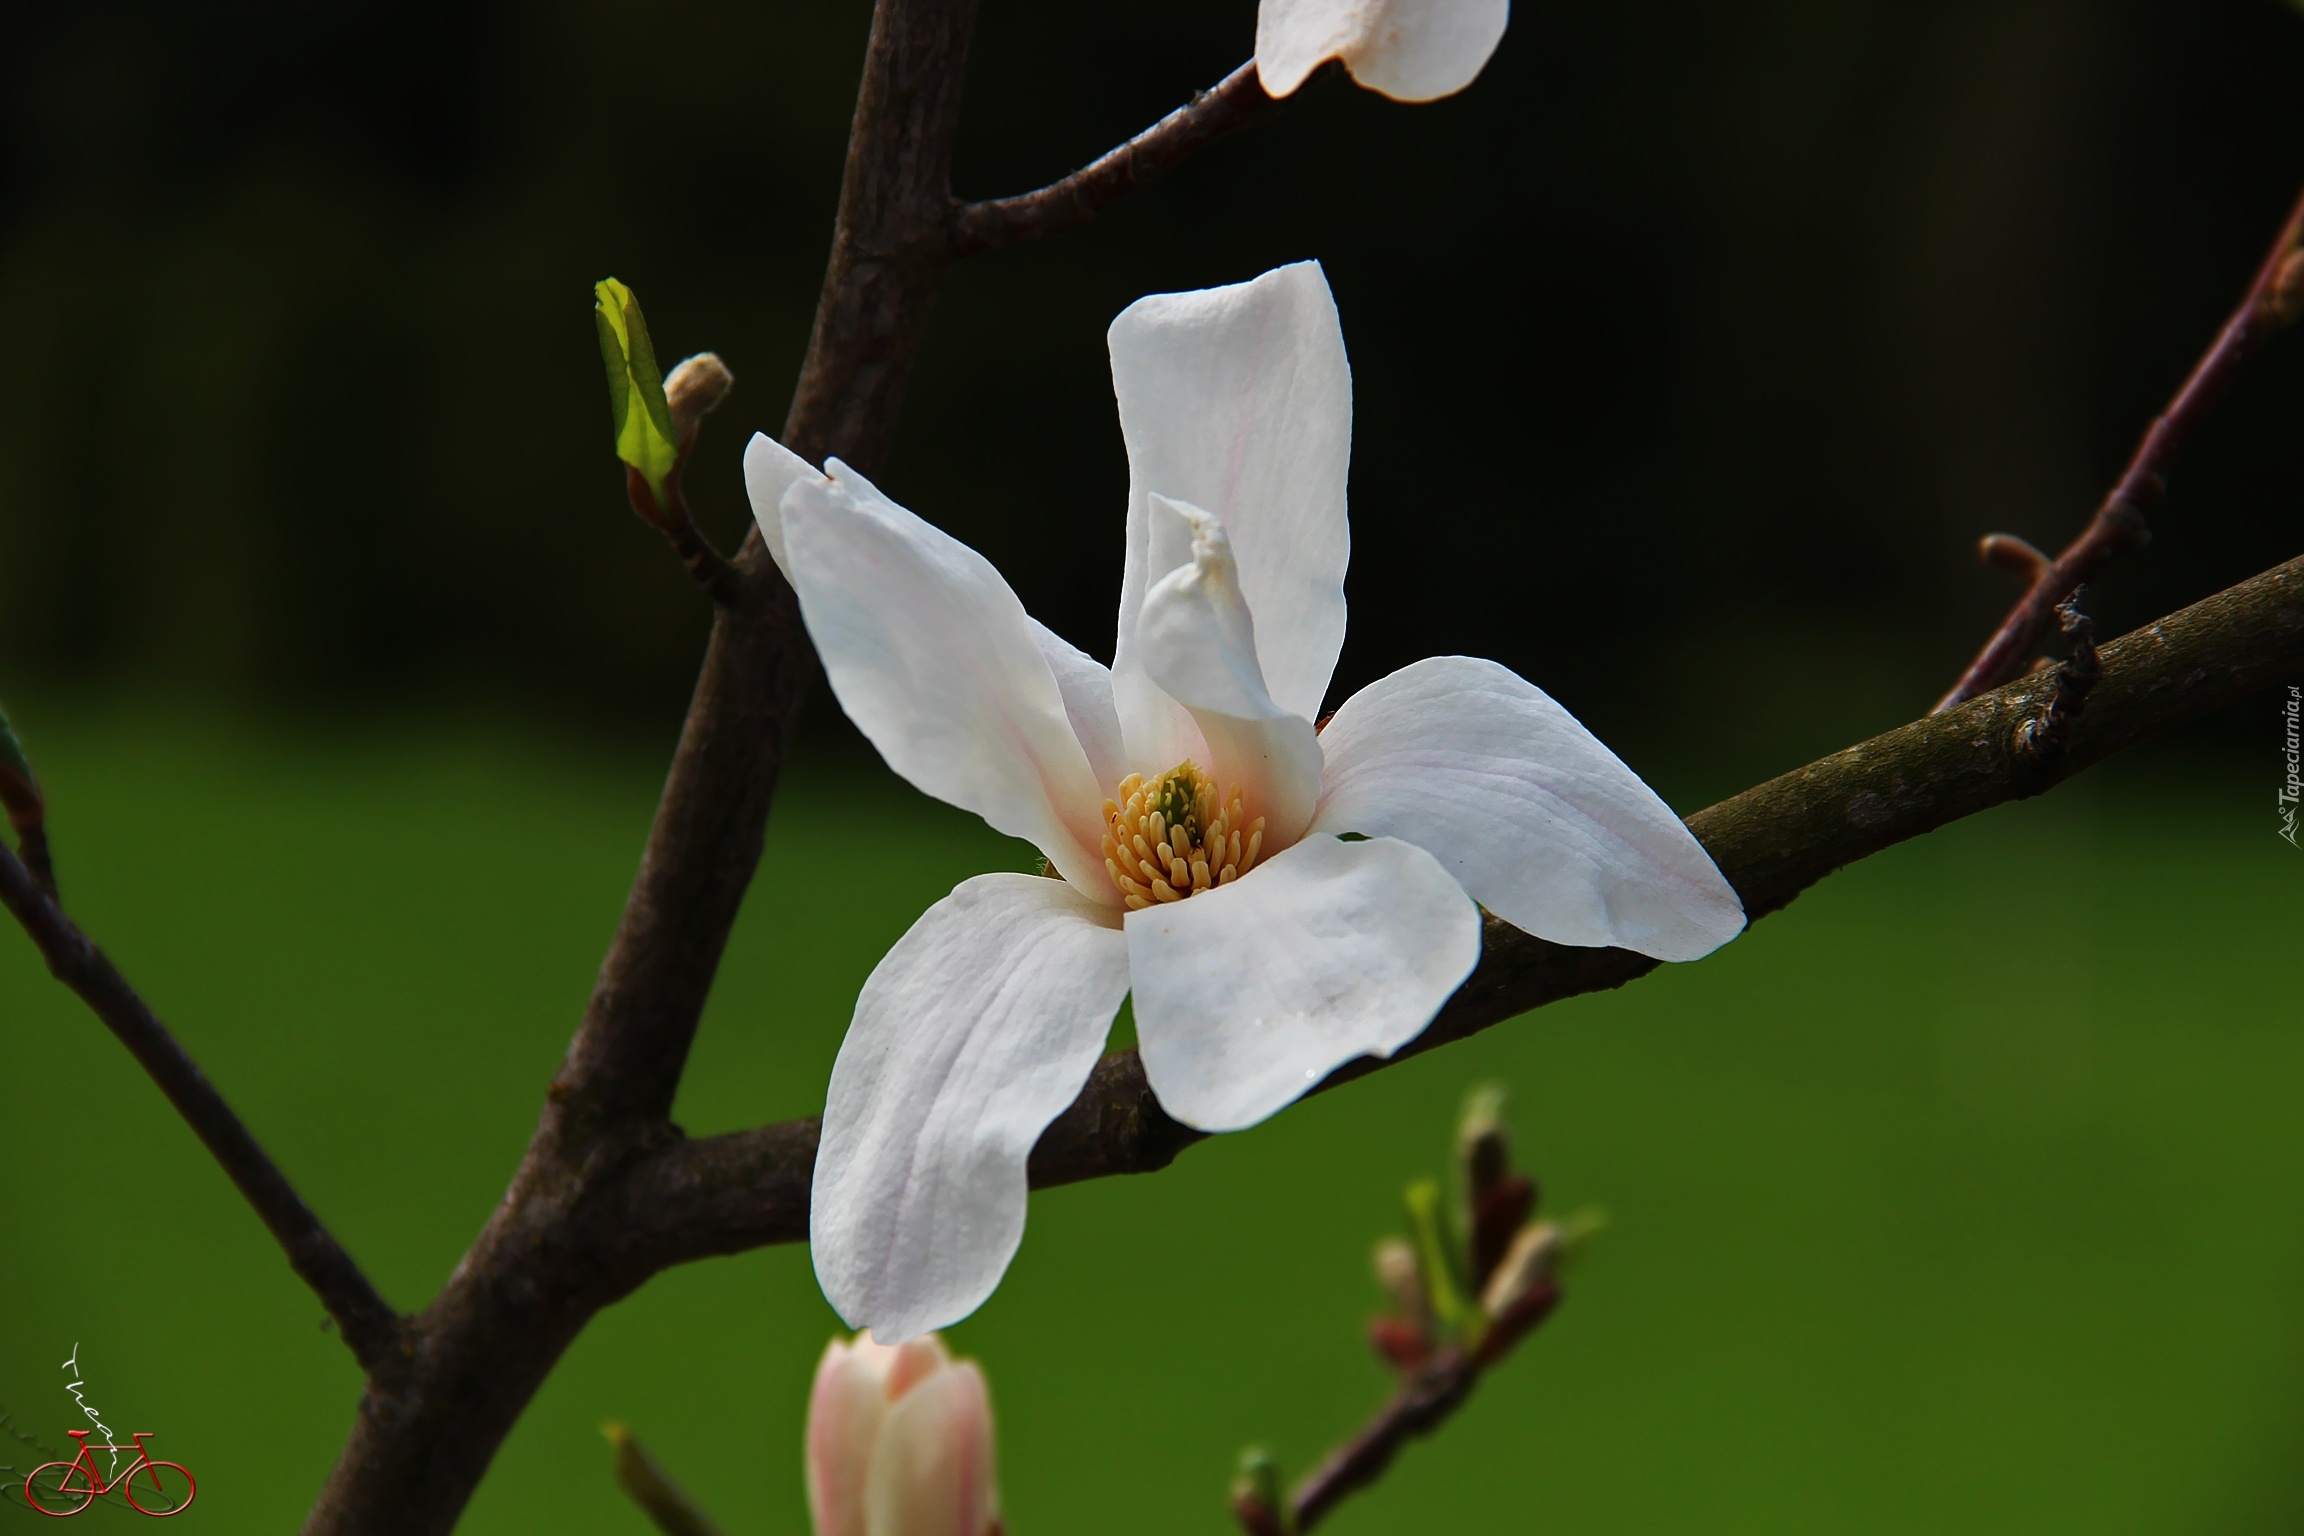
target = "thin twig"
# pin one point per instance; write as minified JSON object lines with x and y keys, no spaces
{"x":369,"y":1326}
{"x":2273,"y":302}
{"x":1422,"y":1405}
{"x":1237,"y":101}
{"x":720,"y":580}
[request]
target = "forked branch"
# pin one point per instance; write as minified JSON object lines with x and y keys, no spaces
{"x":2273,"y":302}
{"x":369,"y":1326}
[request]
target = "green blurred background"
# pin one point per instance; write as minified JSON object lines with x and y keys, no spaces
{"x":1693,"y":348}
{"x":1963,"y":1195}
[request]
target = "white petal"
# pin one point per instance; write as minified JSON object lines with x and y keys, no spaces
{"x":973,"y":1033}
{"x":771,"y":469}
{"x":1541,"y":823}
{"x":1086,"y":685}
{"x":935,"y":660}
{"x":932,"y":1472}
{"x":1198,"y":643}
{"x":1411,"y":50}
{"x":1250,"y":994}
{"x":1296,"y":37}
{"x":1239,"y":400}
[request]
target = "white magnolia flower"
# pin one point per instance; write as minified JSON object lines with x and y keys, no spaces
{"x":1411,"y":50}
{"x":1196,"y":817}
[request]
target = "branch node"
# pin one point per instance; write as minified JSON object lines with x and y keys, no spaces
{"x":2273,"y":299}
{"x":2044,"y":735}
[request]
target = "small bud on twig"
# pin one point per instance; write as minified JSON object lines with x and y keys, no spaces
{"x":1259,"y":1503}
{"x":1401,"y":1344}
{"x":2006,"y":552}
{"x":1530,"y":1261}
{"x":693,"y":390}
{"x":1482,"y":1145}
{"x":1396,"y":1271}
{"x":1497,"y":1201}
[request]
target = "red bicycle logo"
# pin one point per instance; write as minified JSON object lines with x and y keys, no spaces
{"x":63,"y":1488}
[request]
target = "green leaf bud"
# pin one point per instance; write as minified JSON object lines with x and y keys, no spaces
{"x":645,"y":439}
{"x":1439,"y":1255}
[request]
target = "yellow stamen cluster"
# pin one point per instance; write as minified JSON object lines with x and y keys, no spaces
{"x":1167,"y":838}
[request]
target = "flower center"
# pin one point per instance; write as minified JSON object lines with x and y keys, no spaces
{"x":1173,"y":836}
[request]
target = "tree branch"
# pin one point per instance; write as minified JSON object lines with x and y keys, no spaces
{"x":544,"y":1263}
{"x":726,"y":1194}
{"x":369,"y":1326}
{"x":2273,"y":302}
{"x":1424,"y":1402}
{"x":1234,"y":103}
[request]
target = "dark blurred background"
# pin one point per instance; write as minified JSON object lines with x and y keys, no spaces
{"x":1694,"y":348}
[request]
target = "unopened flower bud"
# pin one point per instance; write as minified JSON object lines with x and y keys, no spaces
{"x":1528,"y":1263}
{"x":1259,"y":1503}
{"x":693,"y":389}
{"x":2006,"y":552}
{"x":1402,"y":1344}
{"x":900,"y":1442}
{"x":1482,"y":1146}
{"x":1397,"y":1271}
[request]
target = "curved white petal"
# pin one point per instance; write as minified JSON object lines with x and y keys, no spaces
{"x":1410,"y":50}
{"x":1198,"y":645}
{"x":1296,"y":37}
{"x":936,"y":661}
{"x":1239,"y":400}
{"x":1250,"y":994}
{"x":973,"y":1033}
{"x":1545,"y":827}
{"x":771,"y":469}
{"x":1086,"y":685}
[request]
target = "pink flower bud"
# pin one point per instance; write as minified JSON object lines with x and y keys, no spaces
{"x":900,"y":1442}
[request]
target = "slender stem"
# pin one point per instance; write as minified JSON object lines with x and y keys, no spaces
{"x":1424,"y":1402}
{"x":1232,"y":104}
{"x":710,"y":569}
{"x":2272,"y":303}
{"x":726,"y":1194}
{"x":368,"y":1325}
